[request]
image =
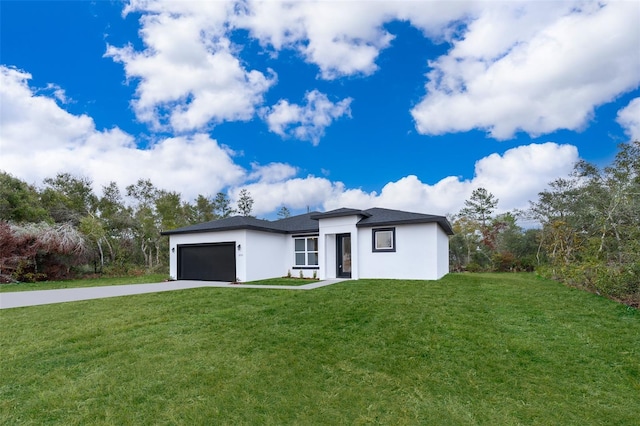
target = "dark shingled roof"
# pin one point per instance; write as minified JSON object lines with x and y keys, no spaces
{"x":226,"y":224}
{"x":339,"y":213}
{"x":387,"y":217}
{"x":308,"y":222}
{"x":301,"y":223}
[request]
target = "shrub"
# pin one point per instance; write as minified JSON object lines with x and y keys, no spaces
{"x":473,"y":267}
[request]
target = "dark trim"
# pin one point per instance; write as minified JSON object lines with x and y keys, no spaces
{"x":340,"y":213}
{"x":373,"y":240}
{"x":441,"y":221}
{"x":305,"y":267}
{"x":224,"y":228}
{"x":311,"y":234}
{"x":340,"y":273}
{"x":310,"y":231}
{"x":306,"y":251}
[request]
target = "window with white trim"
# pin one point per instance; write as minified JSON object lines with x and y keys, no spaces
{"x":384,"y":239}
{"x":306,"y":251}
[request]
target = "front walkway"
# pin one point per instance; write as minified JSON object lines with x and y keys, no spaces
{"x":19,"y":299}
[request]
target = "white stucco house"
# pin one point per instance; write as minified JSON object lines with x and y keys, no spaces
{"x":342,"y":243}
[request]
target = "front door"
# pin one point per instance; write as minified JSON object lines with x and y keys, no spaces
{"x":343,"y":242}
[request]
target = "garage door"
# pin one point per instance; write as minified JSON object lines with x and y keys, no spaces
{"x":207,"y":262}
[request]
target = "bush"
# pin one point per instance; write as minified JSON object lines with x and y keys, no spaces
{"x":473,"y":267}
{"x":505,"y":262}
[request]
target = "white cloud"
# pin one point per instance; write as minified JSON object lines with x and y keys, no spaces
{"x":629,"y":119}
{"x":533,"y":68}
{"x":306,"y":122}
{"x":517,"y":66}
{"x":189,"y":75}
{"x":39,"y":140}
{"x":514,"y":178}
{"x":272,"y":172}
{"x":341,"y":38}
{"x":295,"y":193}
{"x":58,"y":92}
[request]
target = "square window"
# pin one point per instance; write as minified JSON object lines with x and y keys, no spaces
{"x":306,"y":251}
{"x":384,"y":239}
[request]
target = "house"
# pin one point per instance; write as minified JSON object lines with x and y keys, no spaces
{"x":342,"y":243}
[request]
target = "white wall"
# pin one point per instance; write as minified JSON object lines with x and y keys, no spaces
{"x":236,"y":237}
{"x":263,"y":255}
{"x":329,"y":227}
{"x":443,"y":253}
{"x":328,"y":265}
{"x":417,"y":254}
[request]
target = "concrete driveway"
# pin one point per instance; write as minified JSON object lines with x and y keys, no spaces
{"x":20,"y":299}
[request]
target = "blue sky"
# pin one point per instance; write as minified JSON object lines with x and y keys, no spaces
{"x":407,"y":105}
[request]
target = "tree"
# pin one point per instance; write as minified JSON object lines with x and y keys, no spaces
{"x":591,"y":226}
{"x":464,"y":242}
{"x":222,"y":206}
{"x":245,"y":202}
{"x":93,"y":230}
{"x":69,"y":198}
{"x":556,"y":210}
{"x":477,"y":233}
{"x":204,"y":210}
{"x":146,"y":229}
{"x":20,"y":202}
{"x":480,"y":206}
{"x":118,"y":223}
{"x":514,"y":248}
{"x":284,"y":212}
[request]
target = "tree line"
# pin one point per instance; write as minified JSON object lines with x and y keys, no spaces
{"x":64,"y":229}
{"x":587,"y":233}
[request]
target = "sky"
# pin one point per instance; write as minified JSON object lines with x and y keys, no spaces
{"x":318,"y":105}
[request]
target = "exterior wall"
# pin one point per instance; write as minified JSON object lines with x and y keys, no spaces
{"x":329,"y":228}
{"x":418,"y":254}
{"x":263,"y":254}
{"x":443,"y":253}
{"x":237,"y":237}
{"x":259,"y":256}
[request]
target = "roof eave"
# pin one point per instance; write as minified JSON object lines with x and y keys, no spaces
{"x":225,"y":228}
{"x":440,"y":222}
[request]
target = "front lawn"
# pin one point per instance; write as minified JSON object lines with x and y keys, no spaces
{"x":468,"y":349}
{"x":89,"y":282}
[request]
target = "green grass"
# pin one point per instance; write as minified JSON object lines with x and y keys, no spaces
{"x":468,"y":349}
{"x":91,"y":282}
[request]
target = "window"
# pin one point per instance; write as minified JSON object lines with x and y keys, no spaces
{"x":384,"y":239}
{"x":306,"y":251}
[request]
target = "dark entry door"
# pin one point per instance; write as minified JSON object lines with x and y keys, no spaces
{"x":207,"y":262}
{"x":343,"y":242}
